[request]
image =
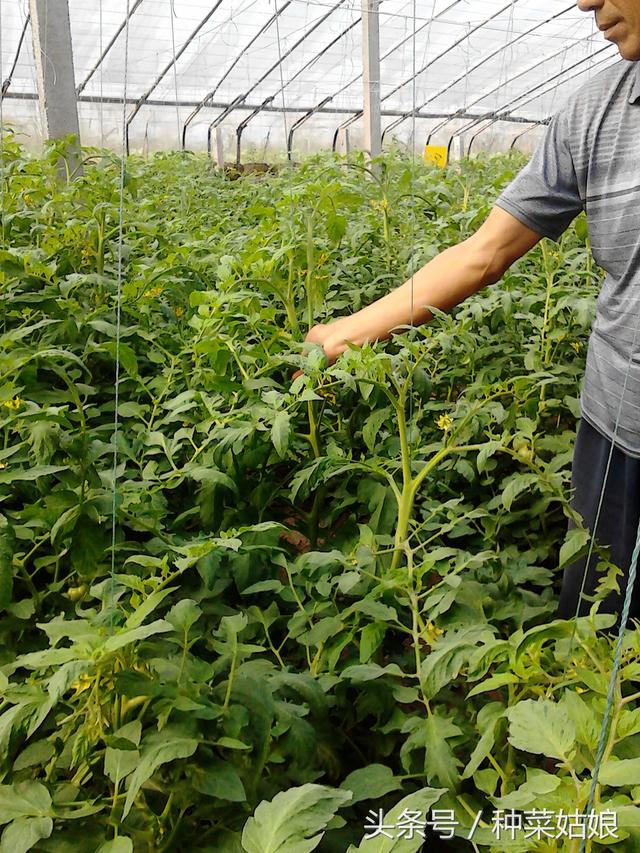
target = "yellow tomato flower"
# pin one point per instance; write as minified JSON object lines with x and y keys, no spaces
{"x":445,"y":422}
{"x":154,"y":291}
{"x":14,"y":404}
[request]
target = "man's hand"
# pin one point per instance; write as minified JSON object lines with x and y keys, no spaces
{"x":331,"y":337}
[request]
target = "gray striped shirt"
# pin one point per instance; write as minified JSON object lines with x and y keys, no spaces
{"x":587,"y":161}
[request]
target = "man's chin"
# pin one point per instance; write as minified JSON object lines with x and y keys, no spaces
{"x":629,"y":52}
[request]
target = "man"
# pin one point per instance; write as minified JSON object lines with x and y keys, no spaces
{"x":588,"y":160}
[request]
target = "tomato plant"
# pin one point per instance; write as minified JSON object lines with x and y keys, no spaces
{"x":323,"y":595}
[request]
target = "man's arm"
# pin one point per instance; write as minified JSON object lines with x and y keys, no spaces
{"x":444,"y":282}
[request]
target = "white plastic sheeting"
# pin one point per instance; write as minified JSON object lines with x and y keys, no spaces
{"x":504,"y":59}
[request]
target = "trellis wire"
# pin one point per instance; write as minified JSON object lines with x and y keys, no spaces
{"x":116,"y":414}
{"x":172,"y":14}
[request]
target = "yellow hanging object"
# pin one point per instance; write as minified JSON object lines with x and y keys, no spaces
{"x":436,"y":155}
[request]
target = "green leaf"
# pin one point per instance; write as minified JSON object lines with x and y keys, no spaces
{"x":117,"y":845}
{"x":126,"y":637}
{"x":575,"y":545}
{"x":539,"y":785}
{"x":294,"y":821}
{"x":370,"y":783}
{"x":218,"y":779}
{"x":360,"y":673}
{"x":24,"y":833}
{"x":7,"y":540}
{"x":280,"y":432}
{"x":184,"y":615}
{"x":488,"y":718}
{"x":371,"y":637}
{"x":158,"y":748}
{"x":541,"y":727}
{"x":622,"y":773}
{"x":628,"y":724}
{"x":13,"y":475}
{"x":421,"y":802}
{"x":442,"y":765}
{"x":118,"y":762}
{"x":126,"y":355}
{"x":24,"y":799}
{"x":501,"y":679}
{"x":586,"y":722}
{"x":372,"y":426}
{"x":518,"y":484}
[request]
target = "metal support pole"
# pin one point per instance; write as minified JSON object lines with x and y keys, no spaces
{"x":53,"y":53}
{"x":241,"y":127}
{"x":371,"y":76}
{"x":301,"y":121}
{"x":524,"y":133}
{"x":343,"y":143}
{"x":219,"y":119}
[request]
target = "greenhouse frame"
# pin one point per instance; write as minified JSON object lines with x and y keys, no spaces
{"x":319,"y":455}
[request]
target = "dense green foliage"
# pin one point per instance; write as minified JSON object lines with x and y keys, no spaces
{"x":356,"y":569}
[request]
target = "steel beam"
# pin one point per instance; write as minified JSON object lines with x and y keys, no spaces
{"x":498,"y":115}
{"x":393,"y":49}
{"x":206,"y":101}
{"x":508,"y":82}
{"x":220,"y":105}
{"x":313,"y":28}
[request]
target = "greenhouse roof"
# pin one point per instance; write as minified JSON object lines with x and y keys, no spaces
{"x":189,"y":62}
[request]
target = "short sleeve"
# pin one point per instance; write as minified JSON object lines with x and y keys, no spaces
{"x":545,"y":195}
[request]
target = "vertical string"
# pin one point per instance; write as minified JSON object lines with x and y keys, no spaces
{"x":172,"y":14}
{"x":413,"y":177}
{"x":116,"y":415}
{"x":284,"y":107}
{"x":101,"y":76}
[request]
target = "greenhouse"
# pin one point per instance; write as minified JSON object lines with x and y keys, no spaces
{"x":319,"y":448}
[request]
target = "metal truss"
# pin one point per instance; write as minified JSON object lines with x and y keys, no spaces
{"x":505,"y":84}
{"x":301,"y":121}
{"x":243,"y":124}
{"x":144,"y":98}
{"x":497,"y":114}
{"x":477,"y":65}
{"x":208,"y":98}
{"x":288,"y":53}
{"x":535,"y":97}
{"x":424,"y":68}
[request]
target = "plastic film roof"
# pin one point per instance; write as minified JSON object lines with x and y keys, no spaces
{"x":492,"y":68}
